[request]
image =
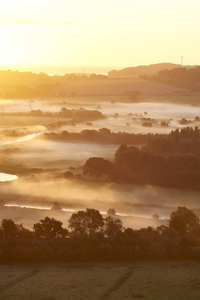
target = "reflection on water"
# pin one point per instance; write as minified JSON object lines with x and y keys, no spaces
{"x":28,"y":137}
{"x":28,"y":206}
{"x":36,"y":207}
{"x":25,"y":138}
{"x":73,"y":210}
{"x":7,"y":177}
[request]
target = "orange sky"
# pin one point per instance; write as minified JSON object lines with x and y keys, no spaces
{"x":101,"y":34}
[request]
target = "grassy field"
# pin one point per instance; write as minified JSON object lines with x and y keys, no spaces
{"x":61,"y":87}
{"x":139,"y":280}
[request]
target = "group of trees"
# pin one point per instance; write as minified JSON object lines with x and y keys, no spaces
{"x":19,"y":77}
{"x":88,"y":222}
{"x":72,"y":117}
{"x":143,"y":167}
{"x":45,"y":228}
{"x":101,"y":136}
{"x":97,"y":167}
{"x":80,"y":113}
{"x":17,"y":84}
{"x":171,"y":160}
{"x":94,"y":238}
{"x":9,"y":229}
{"x":76,"y":114}
{"x":143,"y":70}
{"x":178,"y":141}
{"x":134,"y":165}
{"x":181,"y":77}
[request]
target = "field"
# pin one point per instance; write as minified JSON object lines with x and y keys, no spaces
{"x":96,"y":87}
{"x":138,"y":280}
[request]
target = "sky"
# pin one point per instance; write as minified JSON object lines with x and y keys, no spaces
{"x":97,"y":34}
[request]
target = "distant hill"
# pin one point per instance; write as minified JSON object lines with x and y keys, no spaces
{"x":26,"y":85}
{"x":180,"y":77}
{"x":144,"y":70}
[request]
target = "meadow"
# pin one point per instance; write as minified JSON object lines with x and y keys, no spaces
{"x":139,"y":280}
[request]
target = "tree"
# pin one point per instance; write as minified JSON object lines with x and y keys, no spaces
{"x":69,"y":175}
{"x":113,"y":226}
{"x":24,"y":233}
{"x":49,"y":228}
{"x":111,"y":212}
{"x":1,"y":232}
{"x":56,"y":206}
{"x":184,"y":221}
{"x":98,"y":167}
{"x":86,"y":222}
{"x":9,"y":228}
{"x":129,"y":232}
{"x":156,"y":217}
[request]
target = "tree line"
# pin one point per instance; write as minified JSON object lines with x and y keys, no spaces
{"x":90,"y":237}
{"x":178,"y":141}
{"x":143,"y":167}
{"x":8,"y":76}
{"x":88,"y":222}
{"x":181,"y":77}
{"x":166,"y":160}
{"x":139,"y":166}
{"x":24,"y":85}
{"x":101,"y":136}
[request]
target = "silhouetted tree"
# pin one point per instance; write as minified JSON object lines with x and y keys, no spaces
{"x":129,"y":232}
{"x":184,"y":221}
{"x":111,"y":212}
{"x":56,"y":206}
{"x":1,"y":232}
{"x":24,"y":233}
{"x":86,"y":222}
{"x":113,"y":226}
{"x":139,"y":166}
{"x":98,"y":167}
{"x":156,"y":217}
{"x":9,"y":228}
{"x":49,"y":228}
{"x":69,"y":175}
{"x":181,"y":77}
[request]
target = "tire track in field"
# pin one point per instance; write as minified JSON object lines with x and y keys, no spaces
{"x":18,"y":280}
{"x":116,"y":285}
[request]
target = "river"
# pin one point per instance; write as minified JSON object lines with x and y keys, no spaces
{"x":7,"y":177}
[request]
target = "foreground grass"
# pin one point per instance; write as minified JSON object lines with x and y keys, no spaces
{"x":140,"y":280}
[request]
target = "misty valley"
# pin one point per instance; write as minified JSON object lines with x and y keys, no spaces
{"x":99,"y":150}
{"x":48,"y":144}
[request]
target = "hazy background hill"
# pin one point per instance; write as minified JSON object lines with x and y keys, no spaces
{"x":162,"y":78}
{"x":26,"y":85}
{"x":144,"y":70}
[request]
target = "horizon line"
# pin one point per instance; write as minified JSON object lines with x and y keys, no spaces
{"x":78,"y":69}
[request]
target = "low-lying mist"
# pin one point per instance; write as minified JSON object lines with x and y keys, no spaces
{"x":40,"y":163}
{"x":47,"y":154}
{"x":79,"y":194}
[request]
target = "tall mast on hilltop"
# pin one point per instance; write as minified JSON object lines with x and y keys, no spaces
{"x":181,"y":60}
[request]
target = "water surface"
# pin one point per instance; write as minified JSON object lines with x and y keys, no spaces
{"x":7,"y":177}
